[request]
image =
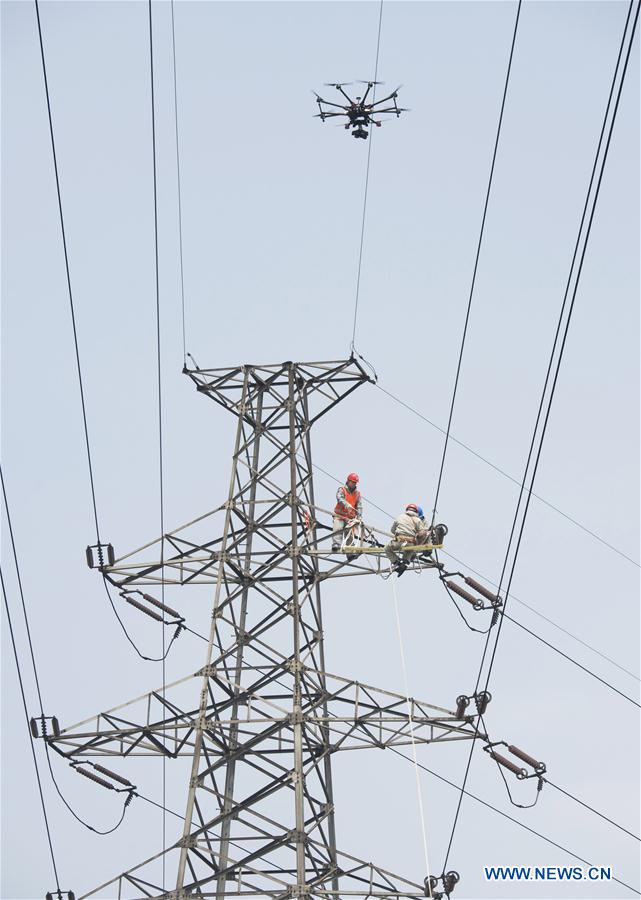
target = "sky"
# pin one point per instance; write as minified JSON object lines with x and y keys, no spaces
{"x":272,"y":202}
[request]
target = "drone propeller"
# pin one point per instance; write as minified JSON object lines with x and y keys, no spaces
{"x":395,"y":92}
{"x":337,"y":84}
{"x":361,"y":81}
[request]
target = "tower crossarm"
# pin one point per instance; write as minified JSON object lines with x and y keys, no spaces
{"x":348,"y":876}
{"x":354,"y":715}
{"x":325,"y":385}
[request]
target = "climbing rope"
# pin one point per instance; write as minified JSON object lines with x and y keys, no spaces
{"x":411,"y":722}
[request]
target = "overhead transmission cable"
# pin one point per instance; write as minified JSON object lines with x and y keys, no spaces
{"x":476,"y":263}
{"x":538,"y":638}
{"x":507,"y":816}
{"x":526,"y":605}
{"x":495,"y":809}
{"x":569,"y":658}
{"x":75,"y":332}
{"x":508,"y":476}
{"x":542,"y":779}
{"x":159,"y":387}
{"x":551,"y":362}
{"x":352,"y":345}
{"x":551,"y":365}
{"x":21,"y":682}
{"x":546,"y":619}
{"x":180,"y":215}
{"x":35,"y":673}
{"x":574,"y":293}
{"x":66,"y":257}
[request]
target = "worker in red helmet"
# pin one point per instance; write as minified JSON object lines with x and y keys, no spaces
{"x":408,"y":530}
{"x":349,"y":506}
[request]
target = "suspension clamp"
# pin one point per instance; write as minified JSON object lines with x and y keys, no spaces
{"x":98,"y":561}
{"x":39,"y":726}
{"x":449,"y":880}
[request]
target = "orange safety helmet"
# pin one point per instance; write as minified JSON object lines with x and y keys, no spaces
{"x":353,"y":477}
{"x":412,"y":506}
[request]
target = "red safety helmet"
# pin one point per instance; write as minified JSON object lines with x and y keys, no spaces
{"x":352,"y":477}
{"x":412,"y":506}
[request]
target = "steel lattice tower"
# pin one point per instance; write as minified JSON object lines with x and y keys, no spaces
{"x":262,"y":718}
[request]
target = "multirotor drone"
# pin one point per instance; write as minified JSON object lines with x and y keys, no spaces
{"x":358,"y":111}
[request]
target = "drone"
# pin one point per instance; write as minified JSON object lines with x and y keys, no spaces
{"x":358,"y":111}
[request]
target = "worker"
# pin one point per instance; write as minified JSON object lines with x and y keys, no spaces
{"x":349,"y":506}
{"x":428,"y":537}
{"x":408,"y":530}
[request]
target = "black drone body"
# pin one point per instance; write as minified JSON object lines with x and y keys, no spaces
{"x":358,"y":111}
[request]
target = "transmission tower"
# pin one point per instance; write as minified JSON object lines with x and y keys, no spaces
{"x":262,"y":718}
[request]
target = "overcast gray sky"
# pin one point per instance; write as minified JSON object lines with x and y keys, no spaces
{"x":272,"y":204}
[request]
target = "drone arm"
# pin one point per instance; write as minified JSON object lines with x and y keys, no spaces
{"x":349,"y":99}
{"x":385,"y":99}
{"x":328,"y":103}
{"x":366,"y":94}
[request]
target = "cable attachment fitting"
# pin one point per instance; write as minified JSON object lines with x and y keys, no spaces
{"x":520,"y":771}
{"x":38,"y":726}
{"x":448,"y":880}
{"x":437,"y":534}
{"x":177,"y":618}
{"x":482,"y":698}
{"x":60,"y":895}
{"x":475,"y":602}
{"x":494,"y":599}
{"x":462,"y":704}
{"x":127,"y":787}
{"x":97,"y":561}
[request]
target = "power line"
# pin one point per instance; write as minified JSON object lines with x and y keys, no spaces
{"x":66,"y":256}
{"x":574,"y":293}
{"x":543,"y":780}
{"x":37,"y":681}
{"x":545,"y":618}
{"x":592,"y":809}
{"x":78,"y":818}
{"x":21,"y":590}
{"x":565,"y":656}
{"x":369,"y":154}
{"x":554,"y":381}
{"x":476,"y":263}
{"x":33,"y":749}
{"x":73,"y":322}
{"x":180,"y":216}
{"x":506,"y":816}
{"x":538,"y":638}
{"x":508,"y":476}
{"x":522,"y":602}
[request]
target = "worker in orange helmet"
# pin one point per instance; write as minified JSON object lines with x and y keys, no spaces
{"x":349,"y":506}
{"x":408,"y":530}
